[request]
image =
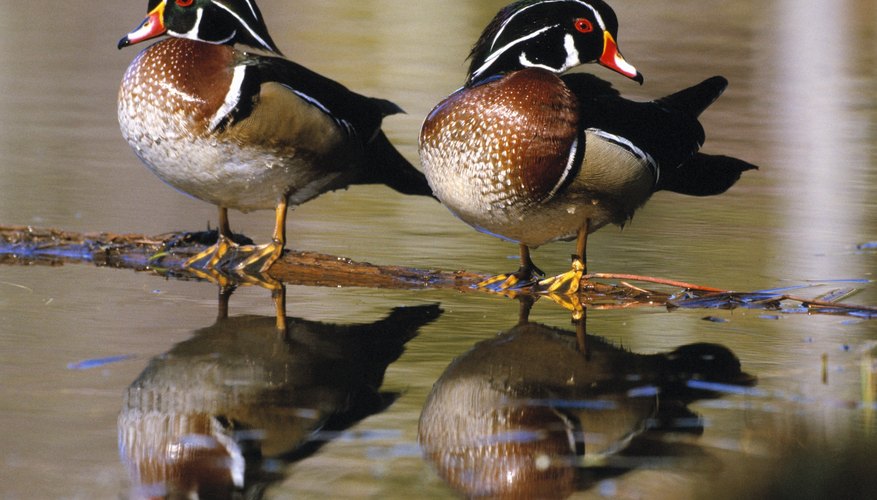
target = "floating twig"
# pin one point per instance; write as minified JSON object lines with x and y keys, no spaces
{"x":651,"y":279}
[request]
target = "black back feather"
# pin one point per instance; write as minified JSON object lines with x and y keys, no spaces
{"x":382,"y":163}
{"x":669,"y":135}
{"x":667,"y":129}
{"x":364,"y":114}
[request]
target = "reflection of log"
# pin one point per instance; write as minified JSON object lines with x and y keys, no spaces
{"x":20,"y":244}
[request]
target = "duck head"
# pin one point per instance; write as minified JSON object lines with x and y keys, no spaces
{"x":554,"y":35}
{"x":221,"y":22}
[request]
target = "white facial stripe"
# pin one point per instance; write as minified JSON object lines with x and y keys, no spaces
{"x":572,"y":57}
{"x":572,"y":54}
{"x":244,"y":24}
{"x":496,"y":54}
{"x":597,"y":16}
{"x":252,"y":9}
{"x":192,"y":34}
{"x":198,"y":17}
{"x":530,"y":64}
{"x":232,"y":97}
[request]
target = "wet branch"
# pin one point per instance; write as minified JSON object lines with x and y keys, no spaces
{"x":29,"y":245}
{"x":651,"y":279}
{"x":25,"y":245}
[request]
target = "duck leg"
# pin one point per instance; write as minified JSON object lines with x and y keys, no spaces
{"x":210,"y":256}
{"x":524,"y":276}
{"x":568,"y":282}
{"x":265,"y":255}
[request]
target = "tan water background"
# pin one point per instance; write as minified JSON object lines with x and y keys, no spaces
{"x":802,"y":104}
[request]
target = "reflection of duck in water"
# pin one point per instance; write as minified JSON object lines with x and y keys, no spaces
{"x":203,"y":417}
{"x":513,"y":416}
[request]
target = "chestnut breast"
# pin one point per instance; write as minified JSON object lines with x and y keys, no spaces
{"x":185,"y":80}
{"x":502,"y":145}
{"x":174,"y":94}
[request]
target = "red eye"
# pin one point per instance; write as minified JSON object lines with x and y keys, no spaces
{"x":582,"y":25}
{"x":185,"y":3}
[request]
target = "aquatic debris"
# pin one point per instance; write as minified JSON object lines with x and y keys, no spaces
{"x":724,"y":300}
{"x":772,"y":301}
{"x":715,"y":319}
{"x":89,"y":364}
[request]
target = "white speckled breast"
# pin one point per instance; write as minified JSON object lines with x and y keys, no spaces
{"x":500,"y":156}
{"x":168,"y":97}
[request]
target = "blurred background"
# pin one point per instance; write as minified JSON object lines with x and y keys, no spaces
{"x":802,"y":104}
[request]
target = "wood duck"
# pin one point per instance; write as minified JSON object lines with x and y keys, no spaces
{"x":525,"y":154}
{"x":247,"y":130}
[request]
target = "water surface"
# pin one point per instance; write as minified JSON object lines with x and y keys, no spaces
{"x":73,"y":339}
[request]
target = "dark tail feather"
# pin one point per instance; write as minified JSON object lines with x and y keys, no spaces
{"x":385,"y":165}
{"x":387,"y":107}
{"x":703,"y":175}
{"x":694,"y":100}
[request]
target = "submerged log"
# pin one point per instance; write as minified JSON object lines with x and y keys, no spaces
{"x":29,"y":245}
{"x":26,"y":245}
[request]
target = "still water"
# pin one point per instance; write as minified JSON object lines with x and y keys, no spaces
{"x":102,"y":367}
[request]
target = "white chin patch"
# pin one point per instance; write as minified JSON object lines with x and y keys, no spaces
{"x":572,"y":54}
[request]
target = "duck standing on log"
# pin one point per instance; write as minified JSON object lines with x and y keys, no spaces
{"x":530,"y":155}
{"x":218,"y":113}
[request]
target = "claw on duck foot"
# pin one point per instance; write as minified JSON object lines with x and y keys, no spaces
{"x":566,"y":283}
{"x":518,"y":280}
{"x":261,"y":258}
{"x":208,"y":258}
